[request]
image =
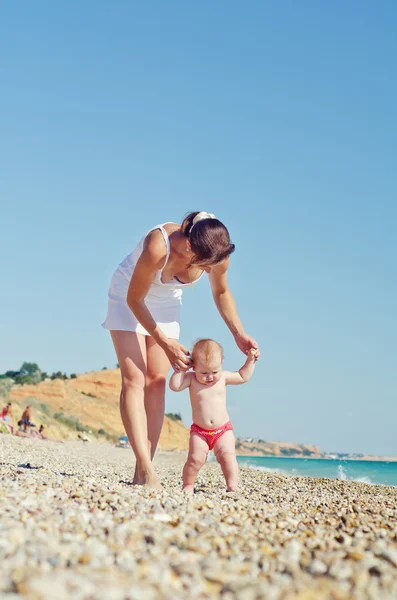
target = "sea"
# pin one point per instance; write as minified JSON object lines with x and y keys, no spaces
{"x":365,"y":471}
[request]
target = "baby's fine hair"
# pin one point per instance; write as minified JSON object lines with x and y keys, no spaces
{"x":207,"y":349}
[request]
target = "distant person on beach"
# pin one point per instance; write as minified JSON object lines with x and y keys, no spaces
{"x":144,"y":305}
{"x":6,"y":413}
{"x":26,"y":419}
{"x":37,"y":433}
{"x":6,"y":417}
{"x":211,"y":429}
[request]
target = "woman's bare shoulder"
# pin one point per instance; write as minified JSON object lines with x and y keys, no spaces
{"x":154,"y":247}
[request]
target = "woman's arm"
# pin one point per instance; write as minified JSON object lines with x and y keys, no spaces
{"x":223,"y":297}
{"x":151,"y":260}
{"x":227,"y":308}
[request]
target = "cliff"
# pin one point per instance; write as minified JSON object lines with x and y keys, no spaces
{"x":90,"y":403}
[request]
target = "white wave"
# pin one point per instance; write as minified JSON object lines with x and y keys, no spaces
{"x":364,"y":480}
{"x":342,"y":475}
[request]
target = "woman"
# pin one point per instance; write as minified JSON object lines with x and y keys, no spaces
{"x":143,"y":318}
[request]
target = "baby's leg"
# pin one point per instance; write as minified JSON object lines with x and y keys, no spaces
{"x":198,"y":451}
{"x":225,"y":452}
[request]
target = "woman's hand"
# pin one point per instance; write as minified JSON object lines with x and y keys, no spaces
{"x":252,"y":355}
{"x":178,"y":355}
{"x":246,"y":343}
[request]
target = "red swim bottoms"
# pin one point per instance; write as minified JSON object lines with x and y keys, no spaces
{"x":211,"y":436}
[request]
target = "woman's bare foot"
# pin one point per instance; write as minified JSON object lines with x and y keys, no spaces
{"x":233,"y":489}
{"x":152,"y":481}
{"x":188,"y":490}
{"x":136,"y":476}
{"x":147,"y":478}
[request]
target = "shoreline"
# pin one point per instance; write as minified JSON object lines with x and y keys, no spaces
{"x":385,"y":459}
{"x":367,"y":472}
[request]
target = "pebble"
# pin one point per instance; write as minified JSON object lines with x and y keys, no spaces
{"x":317,"y":567}
{"x":73,"y":526}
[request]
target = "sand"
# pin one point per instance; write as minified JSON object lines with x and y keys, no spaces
{"x":72,"y":526}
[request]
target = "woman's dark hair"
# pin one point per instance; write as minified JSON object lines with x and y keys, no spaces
{"x":209,"y":239}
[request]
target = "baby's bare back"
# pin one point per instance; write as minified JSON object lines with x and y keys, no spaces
{"x":209,"y":403}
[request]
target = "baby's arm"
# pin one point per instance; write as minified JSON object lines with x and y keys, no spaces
{"x":246,"y":371}
{"x":180,"y":381}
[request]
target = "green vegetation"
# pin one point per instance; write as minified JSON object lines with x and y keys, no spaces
{"x":30,"y":373}
{"x":44,"y":409}
{"x":289,"y":451}
{"x":174,"y":416}
{"x":108,"y":436}
{"x":71,"y":422}
{"x":5,"y":385}
{"x":307,"y":452}
{"x":74,"y":423}
{"x":59,"y":375}
{"x":3,"y":428}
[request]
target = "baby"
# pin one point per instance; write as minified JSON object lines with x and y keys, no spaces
{"x":211,"y":429}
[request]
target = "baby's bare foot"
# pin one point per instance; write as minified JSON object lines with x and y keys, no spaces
{"x":188,"y":490}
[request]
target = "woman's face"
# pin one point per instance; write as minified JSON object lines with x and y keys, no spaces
{"x":204,"y":265}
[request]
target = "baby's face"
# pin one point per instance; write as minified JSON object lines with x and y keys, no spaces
{"x":208,"y":372}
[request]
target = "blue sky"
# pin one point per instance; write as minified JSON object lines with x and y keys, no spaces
{"x":278,"y":117}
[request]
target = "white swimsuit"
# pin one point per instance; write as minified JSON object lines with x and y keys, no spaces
{"x":163,"y":300}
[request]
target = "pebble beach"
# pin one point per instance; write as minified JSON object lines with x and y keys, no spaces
{"x":73,"y":526}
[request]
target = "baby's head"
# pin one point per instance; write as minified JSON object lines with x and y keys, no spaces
{"x":207,"y":357}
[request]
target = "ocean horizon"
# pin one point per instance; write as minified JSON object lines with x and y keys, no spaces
{"x":363,"y":471}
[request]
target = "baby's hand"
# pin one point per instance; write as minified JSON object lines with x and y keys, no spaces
{"x":187,"y":367}
{"x":253,"y":355}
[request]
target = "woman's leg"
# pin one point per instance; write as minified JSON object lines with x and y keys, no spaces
{"x":158,"y":366}
{"x":131,"y":353}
